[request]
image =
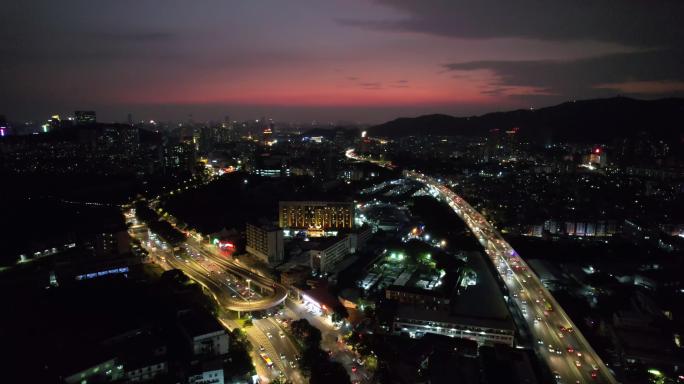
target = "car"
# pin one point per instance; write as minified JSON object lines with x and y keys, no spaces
{"x":261,"y":348}
{"x":578,"y":363}
{"x":559,"y":351}
{"x":540,"y":341}
{"x":354,"y":368}
{"x":551,"y":349}
{"x":594,"y":374}
{"x":571,"y":349}
{"x":579,"y":354}
{"x":594,"y":367}
{"x":560,"y":334}
{"x":282,"y":334}
{"x":292,"y":364}
{"x":270,"y":336}
{"x":282,"y":356}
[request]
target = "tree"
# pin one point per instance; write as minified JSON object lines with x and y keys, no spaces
{"x":307,"y":333}
{"x":329,"y":372}
{"x":239,"y":363}
{"x":340,"y":313}
{"x":174,"y":277}
{"x":240,"y":337}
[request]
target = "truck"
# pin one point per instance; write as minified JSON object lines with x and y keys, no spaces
{"x":267,"y":360}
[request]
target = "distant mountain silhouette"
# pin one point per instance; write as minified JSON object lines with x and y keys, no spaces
{"x":592,"y":121}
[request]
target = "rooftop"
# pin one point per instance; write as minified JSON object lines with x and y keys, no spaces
{"x":321,"y":295}
{"x":482,"y":300}
{"x":199,"y":323}
{"x":408,"y":311}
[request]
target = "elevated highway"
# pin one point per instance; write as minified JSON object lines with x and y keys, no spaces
{"x":204,"y":271}
{"x":556,"y":338}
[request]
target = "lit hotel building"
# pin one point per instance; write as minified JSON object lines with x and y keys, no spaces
{"x":316,"y":215}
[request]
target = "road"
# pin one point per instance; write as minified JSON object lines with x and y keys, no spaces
{"x":331,"y":340}
{"x":278,"y":293}
{"x":226,"y":282}
{"x":556,"y":339}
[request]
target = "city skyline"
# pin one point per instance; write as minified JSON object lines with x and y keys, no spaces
{"x":358,"y":61}
{"x":342,"y":192}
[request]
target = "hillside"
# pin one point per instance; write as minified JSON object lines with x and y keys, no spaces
{"x":598,"y":120}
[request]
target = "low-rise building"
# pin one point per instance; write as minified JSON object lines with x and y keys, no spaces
{"x":329,"y":253}
{"x":414,"y":295}
{"x":295,"y":276}
{"x":210,"y":372}
{"x":145,"y":358}
{"x":417,"y":321}
{"x":205,"y":335}
{"x":146,"y":370}
{"x":106,"y":369}
{"x":475,"y":310}
{"x":359,"y":237}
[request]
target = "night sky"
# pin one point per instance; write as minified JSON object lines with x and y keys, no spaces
{"x":352,"y":60}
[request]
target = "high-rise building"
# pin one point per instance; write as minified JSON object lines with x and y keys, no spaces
{"x":181,"y":156}
{"x":207,"y":139}
{"x":316,"y":215}
{"x":265,"y":242}
{"x":227,"y":132}
{"x":267,"y":135}
{"x":85,"y":117}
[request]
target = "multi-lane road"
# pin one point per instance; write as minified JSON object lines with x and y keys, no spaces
{"x":226,"y":281}
{"x":554,"y":336}
{"x":277,"y":293}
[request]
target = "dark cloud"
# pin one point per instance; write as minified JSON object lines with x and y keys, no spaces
{"x":495,"y":91}
{"x":629,"y":22}
{"x":135,"y":37}
{"x":583,"y":76}
{"x":371,"y":85}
